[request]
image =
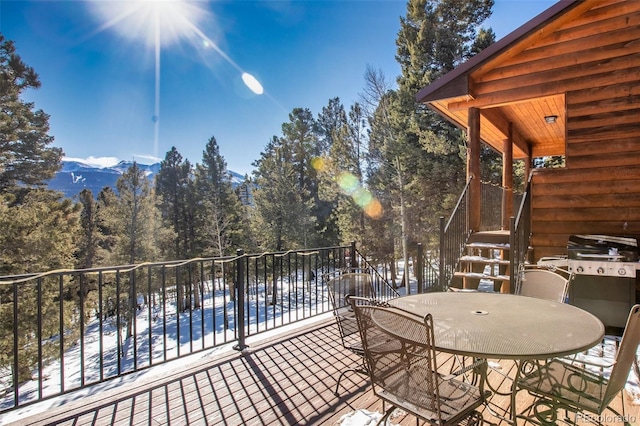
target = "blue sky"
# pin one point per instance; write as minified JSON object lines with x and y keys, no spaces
{"x":112,"y":95}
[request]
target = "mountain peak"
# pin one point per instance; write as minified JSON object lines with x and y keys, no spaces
{"x":74,"y":176}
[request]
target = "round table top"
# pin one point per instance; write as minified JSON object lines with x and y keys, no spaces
{"x":488,"y":325}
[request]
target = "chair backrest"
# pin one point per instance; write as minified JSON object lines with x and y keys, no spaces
{"x":544,"y":284}
{"x":356,"y":284}
{"x":625,"y":356}
{"x":341,"y":286}
{"x":404,"y":374}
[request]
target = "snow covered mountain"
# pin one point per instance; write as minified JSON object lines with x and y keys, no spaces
{"x":74,"y":176}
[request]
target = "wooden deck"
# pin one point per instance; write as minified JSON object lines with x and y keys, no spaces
{"x":284,"y":380}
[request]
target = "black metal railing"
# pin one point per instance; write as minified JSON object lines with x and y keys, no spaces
{"x":426,"y":271}
{"x":381,"y":286}
{"x":520,"y":236}
{"x":453,"y":237}
{"x":491,"y":196}
{"x":68,"y":329}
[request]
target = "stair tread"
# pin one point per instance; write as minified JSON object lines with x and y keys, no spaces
{"x":482,"y":276}
{"x":482,"y":259}
{"x":496,"y":246}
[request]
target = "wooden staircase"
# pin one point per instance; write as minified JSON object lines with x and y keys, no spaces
{"x":485,"y":263}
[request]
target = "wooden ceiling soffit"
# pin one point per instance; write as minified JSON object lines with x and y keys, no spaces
{"x":500,"y":121}
{"x":494,"y":127}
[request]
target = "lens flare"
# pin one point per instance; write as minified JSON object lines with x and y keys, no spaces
{"x":362,"y":197}
{"x":348,"y":182}
{"x":252,"y":83}
{"x":350,"y":185}
{"x":374,"y":209}
{"x":319,"y":164}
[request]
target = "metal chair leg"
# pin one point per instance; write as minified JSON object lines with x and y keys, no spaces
{"x":360,"y":370}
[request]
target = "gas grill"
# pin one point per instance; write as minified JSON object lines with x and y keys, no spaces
{"x":605,"y":270}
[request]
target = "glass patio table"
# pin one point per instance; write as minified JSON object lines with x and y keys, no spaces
{"x":504,"y":326}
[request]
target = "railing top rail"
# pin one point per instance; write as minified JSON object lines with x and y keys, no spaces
{"x":462,"y":195}
{"x":14,"y":279}
{"x":525,"y":198}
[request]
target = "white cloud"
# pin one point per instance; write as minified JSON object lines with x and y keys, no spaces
{"x":146,"y":159}
{"x":95,"y":161}
{"x":112,"y":161}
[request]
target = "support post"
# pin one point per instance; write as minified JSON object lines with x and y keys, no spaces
{"x":240,"y":299}
{"x":473,"y":168}
{"x":507,"y":179}
{"x":354,"y":262}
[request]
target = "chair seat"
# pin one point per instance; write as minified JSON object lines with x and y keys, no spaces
{"x":457,"y":398}
{"x":568,"y":384}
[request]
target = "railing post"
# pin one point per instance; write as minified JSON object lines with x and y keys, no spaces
{"x":513,"y":248}
{"x":442,"y":256}
{"x":240,"y":323}
{"x":354,"y":262}
{"x":419,"y":268}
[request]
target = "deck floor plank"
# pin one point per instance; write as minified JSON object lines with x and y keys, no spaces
{"x":284,"y":380}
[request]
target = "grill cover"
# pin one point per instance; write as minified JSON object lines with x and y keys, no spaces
{"x":623,"y":249}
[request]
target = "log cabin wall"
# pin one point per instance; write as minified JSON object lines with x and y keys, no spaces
{"x":598,"y":192}
{"x":593,"y":200}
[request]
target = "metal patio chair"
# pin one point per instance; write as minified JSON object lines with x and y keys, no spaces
{"x":407,"y":377}
{"x":565,"y":386}
{"x":340,"y":287}
{"x":544,"y":283}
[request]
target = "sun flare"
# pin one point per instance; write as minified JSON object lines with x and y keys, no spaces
{"x":158,"y":24}
{"x":150,"y":21}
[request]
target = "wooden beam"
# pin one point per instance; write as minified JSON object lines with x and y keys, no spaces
{"x":498,"y":119}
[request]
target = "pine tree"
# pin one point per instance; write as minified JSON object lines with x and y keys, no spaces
{"x":282,"y":218}
{"x":37,"y":235}
{"x":135,"y":221}
{"x":26,"y":160}
{"x":108,"y":224}
{"x":342,"y":179}
{"x":300,"y":147}
{"x":137,"y":215}
{"x":220,"y":216}
{"x":174,"y":189}
{"x":88,"y":243}
{"x":331,"y":131}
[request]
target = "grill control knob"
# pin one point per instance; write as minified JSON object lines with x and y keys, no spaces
{"x":622,"y":271}
{"x":579,"y":269}
{"x":600,"y":270}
